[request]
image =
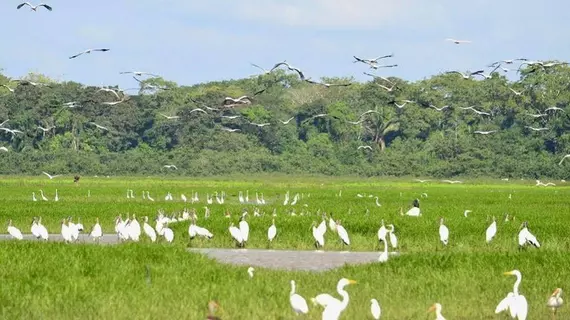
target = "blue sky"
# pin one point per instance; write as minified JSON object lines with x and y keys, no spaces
{"x":197,"y":41}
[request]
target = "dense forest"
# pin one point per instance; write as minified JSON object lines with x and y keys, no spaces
{"x":513,"y":128}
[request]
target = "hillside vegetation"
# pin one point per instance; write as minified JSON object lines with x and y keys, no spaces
{"x":416,"y":139}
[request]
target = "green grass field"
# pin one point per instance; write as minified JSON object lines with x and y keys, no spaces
{"x":59,"y":281}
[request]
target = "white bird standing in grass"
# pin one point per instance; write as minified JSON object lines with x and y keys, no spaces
{"x":335,"y":308}
{"x":555,"y":301}
{"x":96,"y":231}
{"x":382,"y":231}
{"x":250,"y":271}
{"x":323,"y":300}
{"x":491,"y":231}
{"x":332,"y":224}
{"x":272,"y":231}
{"x":393,"y":238}
{"x":342,"y":233}
{"x":65,"y":231}
{"x":56,"y":198}
{"x":375,"y":309}
{"x":298,"y":303}
{"x":384,"y":254}
{"x":34,"y":196}
{"x":318,"y":235}
{"x":167,"y":233}
{"x":244,"y":228}
{"x":514,"y":302}
{"x":43,"y":195}
{"x":42,"y":230}
{"x":437,"y":308}
{"x":525,"y":237}
{"x":134,"y":229}
{"x":236,"y":235}
{"x":443,"y":232}
{"x":14,"y":232}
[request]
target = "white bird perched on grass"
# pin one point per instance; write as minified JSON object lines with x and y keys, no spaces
{"x":89,"y":51}
{"x":555,"y":301}
{"x":318,"y":235}
{"x":14,"y":232}
{"x":236,"y":235}
{"x":298,"y":303}
{"x":491,"y":231}
{"x":443,"y":232}
{"x":335,"y":308}
{"x":272,"y":231}
{"x":34,"y":8}
{"x":342,"y":233}
{"x":525,"y":237}
{"x":393,"y":238}
{"x":437,"y":308}
{"x":323,"y":300}
{"x":514,"y":302}
{"x":375,"y":309}
{"x":250,"y":271}
{"x":96,"y":232}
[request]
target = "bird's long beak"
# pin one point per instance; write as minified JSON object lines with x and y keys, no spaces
{"x":351,"y":281}
{"x":555,"y":292}
{"x":432,"y":308}
{"x":508,"y":273}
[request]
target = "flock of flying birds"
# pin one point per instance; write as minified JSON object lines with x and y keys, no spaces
{"x":229,"y":103}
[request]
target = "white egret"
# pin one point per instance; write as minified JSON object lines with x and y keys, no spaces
{"x":334,"y":309}
{"x":555,"y":301}
{"x":382,"y":231}
{"x":443,"y":232}
{"x":148,"y":230}
{"x":384,"y":254}
{"x":272,"y":231}
{"x":525,"y":237}
{"x":318,"y":235}
{"x":298,"y":303}
{"x":323,"y":300}
{"x":236,"y":235}
{"x":375,"y":309}
{"x":244,"y":228}
{"x":517,"y":304}
{"x":96,"y":231}
{"x":14,"y":232}
{"x":250,"y":271}
{"x":491,"y":231}
{"x":393,"y":238}
{"x":342,"y":233}
{"x":437,"y":308}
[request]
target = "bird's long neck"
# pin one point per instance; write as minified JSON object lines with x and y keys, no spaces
{"x":385,"y":247}
{"x":292,"y":288}
{"x":345,"y":298}
{"x":516,"y":285}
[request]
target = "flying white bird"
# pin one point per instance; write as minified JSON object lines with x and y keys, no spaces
{"x":364,"y":147}
{"x":287,"y":122}
{"x":261,"y":125}
{"x":198,"y":110}
{"x":50,"y":176}
{"x":170,"y":166}
{"x":458,"y":41}
{"x":438,"y":109}
{"x":169,"y":117}
{"x":139,"y":73}
{"x":231,"y":130}
{"x":89,"y":51}
{"x":517,"y":93}
{"x":34,"y":8}
{"x":536,"y":129}
{"x":563,"y":158}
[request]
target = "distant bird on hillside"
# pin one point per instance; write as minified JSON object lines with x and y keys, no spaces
{"x":536,"y":129}
{"x":89,"y":51}
{"x":287,"y":122}
{"x":563,"y":158}
{"x":484,"y":132}
{"x":99,"y":126}
{"x":34,"y":8}
{"x":169,"y":117}
{"x":139,"y":73}
{"x":458,"y":41}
